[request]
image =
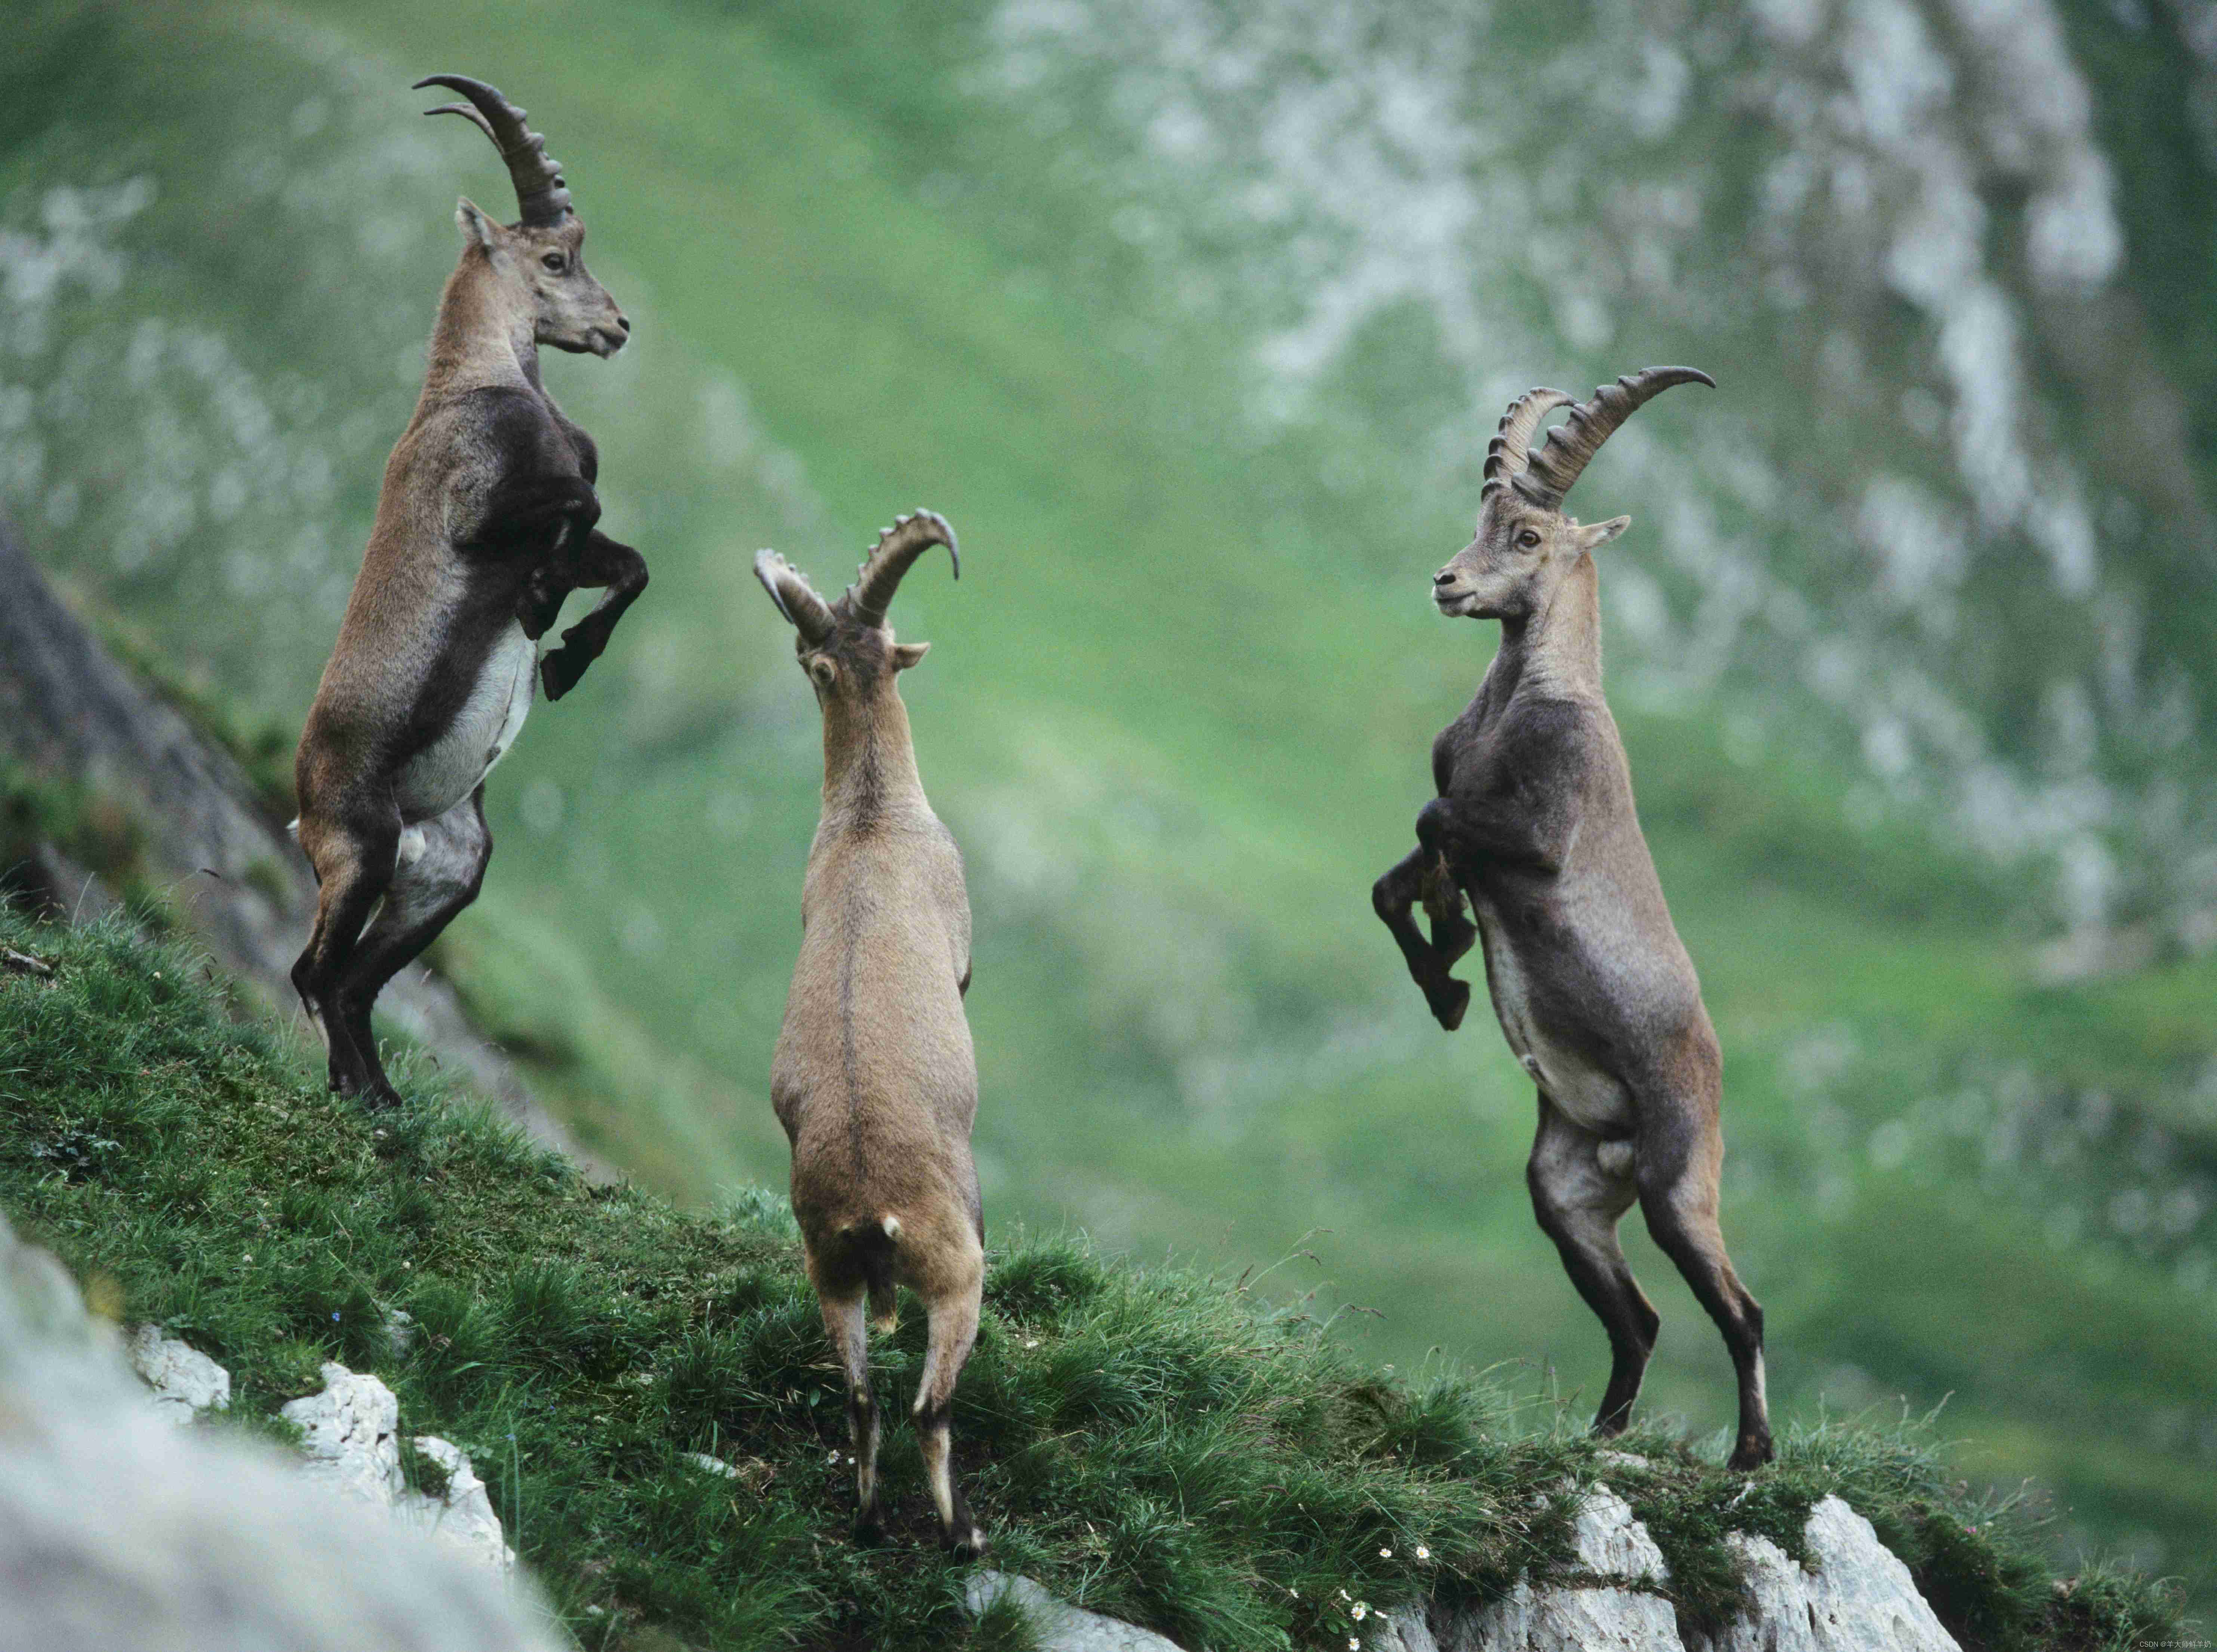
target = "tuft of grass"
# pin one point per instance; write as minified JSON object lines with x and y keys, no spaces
{"x":1152,"y":1443}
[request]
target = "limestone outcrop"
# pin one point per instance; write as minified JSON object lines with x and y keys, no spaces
{"x":1852,"y":1595}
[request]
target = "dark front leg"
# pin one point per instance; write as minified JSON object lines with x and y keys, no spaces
{"x":1453,"y":933}
{"x":622,"y":572}
{"x":1391,"y":897}
{"x":549,"y":518}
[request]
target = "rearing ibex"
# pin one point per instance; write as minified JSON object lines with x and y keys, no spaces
{"x":1534,"y":822}
{"x":874,"y":1079}
{"x":486,"y":522}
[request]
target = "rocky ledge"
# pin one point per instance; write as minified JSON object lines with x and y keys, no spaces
{"x":1851,"y":1595}
{"x":351,"y":1440}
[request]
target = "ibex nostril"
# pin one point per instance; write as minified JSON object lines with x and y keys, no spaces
{"x":1445,"y":577}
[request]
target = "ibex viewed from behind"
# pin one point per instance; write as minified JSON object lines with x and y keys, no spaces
{"x":873,"y":1078}
{"x":1534,"y":822}
{"x":486,"y":522}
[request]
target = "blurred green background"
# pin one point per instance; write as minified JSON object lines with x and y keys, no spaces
{"x":1193,"y":317}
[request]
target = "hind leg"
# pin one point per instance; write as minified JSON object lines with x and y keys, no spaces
{"x":440,"y":867}
{"x":1681,"y":1154}
{"x":842,"y":1302}
{"x":952,"y":1303}
{"x":1581,"y":1186}
{"x":353,"y":853}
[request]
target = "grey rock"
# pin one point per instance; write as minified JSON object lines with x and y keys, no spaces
{"x":1610,"y":1542}
{"x":350,"y":1435}
{"x":350,"y":1438}
{"x":1854,"y":1596}
{"x":185,"y":1381}
{"x":460,"y":1518}
{"x":1061,"y":1628}
{"x":119,"y":1529}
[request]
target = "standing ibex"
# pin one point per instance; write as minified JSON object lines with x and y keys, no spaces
{"x":1534,"y":821}
{"x":486,"y":522}
{"x":874,"y":1079}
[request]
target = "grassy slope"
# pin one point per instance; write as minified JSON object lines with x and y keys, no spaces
{"x":1164,"y":677}
{"x":1159,"y":1444}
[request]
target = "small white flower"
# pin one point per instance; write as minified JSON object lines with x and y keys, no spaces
{"x":1344,"y":1595}
{"x":1031,"y":1343}
{"x":1423,"y":1553}
{"x":1385,"y":1554}
{"x":1354,"y":1645}
{"x":1359,"y":1611}
{"x":834,"y":1457}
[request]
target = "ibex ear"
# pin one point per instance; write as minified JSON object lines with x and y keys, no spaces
{"x":1593,"y":537}
{"x":907,"y":655}
{"x":475,"y":225}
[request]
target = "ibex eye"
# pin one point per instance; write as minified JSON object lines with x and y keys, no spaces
{"x":553,"y":261}
{"x":1528,"y":538}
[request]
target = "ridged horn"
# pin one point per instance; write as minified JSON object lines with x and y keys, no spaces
{"x":540,"y":194}
{"x":1550,"y":472}
{"x":804,"y":611}
{"x":895,"y":553}
{"x":1507,"y":454}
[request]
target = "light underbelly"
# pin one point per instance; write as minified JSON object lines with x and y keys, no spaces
{"x":450,"y":768}
{"x":1591,"y":1097}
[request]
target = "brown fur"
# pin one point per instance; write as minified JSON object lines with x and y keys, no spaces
{"x":874,"y":1079}
{"x":1535,"y":824}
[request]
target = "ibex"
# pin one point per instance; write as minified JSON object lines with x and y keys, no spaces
{"x":1534,"y":822}
{"x":873,"y":1078}
{"x":484,"y":524}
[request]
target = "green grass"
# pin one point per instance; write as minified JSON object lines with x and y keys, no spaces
{"x":1164,"y":1445}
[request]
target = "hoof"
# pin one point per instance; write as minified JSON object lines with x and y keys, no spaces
{"x":1750,"y":1455}
{"x":559,"y":671}
{"x":967,"y":1542}
{"x":869,"y":1531}
{"x":1450,"y":1005}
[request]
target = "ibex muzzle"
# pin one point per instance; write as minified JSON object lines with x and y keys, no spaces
{"x":487,"y":519}
{"x":1535,"y":824}
{"x":874,"y":1079}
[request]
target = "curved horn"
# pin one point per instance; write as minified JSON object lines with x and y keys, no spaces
{"x":1572,"y":444}
{"x":896,"y":550}
{"x":804,"y":611}
{"x":1506,"y":454}
{"x":540,"y":194}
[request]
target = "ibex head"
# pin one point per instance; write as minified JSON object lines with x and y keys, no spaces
{"x":846,"y":647}
{"x":539,"y":260}
{"x":1525,"y":545}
